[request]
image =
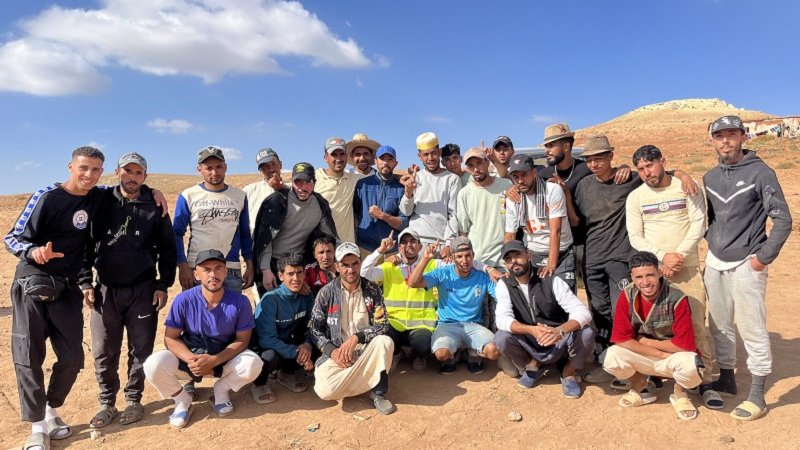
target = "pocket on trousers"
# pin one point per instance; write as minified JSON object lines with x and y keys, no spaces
{"x":20,"y":349}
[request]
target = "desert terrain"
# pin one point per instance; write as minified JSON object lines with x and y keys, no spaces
{"x":462,"y":410}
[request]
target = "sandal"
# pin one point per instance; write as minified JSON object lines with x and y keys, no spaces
{"x":133,"y":412}
{"x":598,"y":375}
{"x":753,"y":411}
{"x":189,"y":388}
{"x":681,"y":405}
{"x":105,"y":415}
{"x":633,"y":399}
{"x":293,"y":384}
{"x":713,"y":400}
{"x":41,"y":440}
{"x":180,"y":419}
{"x":56,"y":424}
{"x":262,"y":391}
{"x":222,"y":409}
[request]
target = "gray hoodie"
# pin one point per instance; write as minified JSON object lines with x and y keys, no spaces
{"x":740,"y":198}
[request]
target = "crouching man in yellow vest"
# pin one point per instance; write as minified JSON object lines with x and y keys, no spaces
{"x":412,"y":311}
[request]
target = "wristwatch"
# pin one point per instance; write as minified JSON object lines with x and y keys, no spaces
{"x":561,"y":332}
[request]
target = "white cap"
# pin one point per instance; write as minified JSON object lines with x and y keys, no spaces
{"x":347,"y":248}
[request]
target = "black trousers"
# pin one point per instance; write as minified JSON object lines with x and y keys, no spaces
{"x":34,"y":322}
{"x":605,"y":283}
{"x":117,"y":309}
{"x":274,"y":361}
{"x":418,"y":339}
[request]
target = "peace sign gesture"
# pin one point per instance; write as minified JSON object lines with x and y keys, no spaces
{"x":387,"y":243}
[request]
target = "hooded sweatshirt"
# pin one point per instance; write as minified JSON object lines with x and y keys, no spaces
{"x":740,"y":198}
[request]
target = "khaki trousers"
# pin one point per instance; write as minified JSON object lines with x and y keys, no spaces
{"x":690,"y":282}
{"x":623,"y":364}
{"x":335,"y":383}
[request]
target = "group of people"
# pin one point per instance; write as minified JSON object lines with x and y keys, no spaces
{"x":356,"y":271}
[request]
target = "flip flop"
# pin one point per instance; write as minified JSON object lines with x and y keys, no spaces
{"x":133,"y":410}
{"x":710,"y":396}
{"x":105,"y":415}
{"x":636,"y":399}
{"x":37,"y":440}
{"x":181,"y":419}
{"x":750,"y":408}
{"x":260,"y":391}
{"x":682,"y":404}
{"x":222,"y":409}
{"x":291,"y":383}
{"x":56,"y":424}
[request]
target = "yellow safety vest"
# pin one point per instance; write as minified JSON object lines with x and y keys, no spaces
{"x":408,"y":308}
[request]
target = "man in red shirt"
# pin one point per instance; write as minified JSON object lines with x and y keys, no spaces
{"x":323,"y":271}
{"x":654,"y":336}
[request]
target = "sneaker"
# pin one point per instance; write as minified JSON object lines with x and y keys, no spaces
{"x":420,"y":363}
{"x":475,"y":368}
{"x":383,"y":405}
{"x":448,"y":367}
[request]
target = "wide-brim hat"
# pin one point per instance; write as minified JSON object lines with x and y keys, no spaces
{"x":360,"y":140}
{"x":596,"y":145}
{"x":556,"y":132}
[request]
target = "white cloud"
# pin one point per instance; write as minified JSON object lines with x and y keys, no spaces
{"x":61,"y":51}
{"x":543,"y":119}
{"x":175,"y":126}
{"x":382,"y":61}
{"x":231,"y":154}
{"x":96,"y":145}
{"x":25,"y":164}
{"x":439,"y":119}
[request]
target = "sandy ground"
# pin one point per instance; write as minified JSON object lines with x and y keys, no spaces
{"x":459,"y":411}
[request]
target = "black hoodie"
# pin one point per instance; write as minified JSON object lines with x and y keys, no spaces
{"x":740,"y":198}
{"x":128,"y":239}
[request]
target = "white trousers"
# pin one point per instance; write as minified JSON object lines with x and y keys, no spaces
{"x":332,"y":382}
{"x":623,"y":364}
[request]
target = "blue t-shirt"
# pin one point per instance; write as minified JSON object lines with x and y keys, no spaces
{"x":460,"y":299}
{"x":189,"y":313}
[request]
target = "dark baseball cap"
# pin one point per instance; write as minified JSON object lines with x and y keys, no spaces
{"x":210,"y":152}
{"x":208,"y":255}
{"x":460,"y":244}
{"x":265,"y":155}
{"x":134,"y":158}
{"x":502,"y":140}
{"x":512,"y":246}
{"x":303,"y":171}
{"x":522,"y":163}
{"x":727,"y":123}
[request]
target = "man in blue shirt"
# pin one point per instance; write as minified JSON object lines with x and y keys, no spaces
{"x":462,"y":294}
{"x":281,"y":335}
{"x":206,"y":333}
{"x":376,"y":203}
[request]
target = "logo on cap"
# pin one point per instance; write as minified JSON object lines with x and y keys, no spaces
{"x":300,"y":167}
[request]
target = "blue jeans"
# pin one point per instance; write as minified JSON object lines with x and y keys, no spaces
{"x":234,"y":280}
{"x":455,"y":335}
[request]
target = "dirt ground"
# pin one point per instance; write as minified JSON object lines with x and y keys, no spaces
{"x":458,"y":411}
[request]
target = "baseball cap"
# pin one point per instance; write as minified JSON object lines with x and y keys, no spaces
{"x":450,"y":149}
{"x":303,"y":171}
{"x":385,"y":150}
{"x":265,"y":155}
{"x":727,"y":123}
{"x":335,"y":143}
{"x":408,"y":231}
{"x":502,"y":140}
{"x":522,"y":163}
{"x":132,"y":157}
{"x":512,"y":246}
{"x":460,"y":244}
{"x":208,"y":255}
{"x":210,"y":152}
{"x":474,"y":152}
{"x":347,"y":248}
{"x":427,"y":141}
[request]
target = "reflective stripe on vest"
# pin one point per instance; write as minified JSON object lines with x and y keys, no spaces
{"x":408,"y":308}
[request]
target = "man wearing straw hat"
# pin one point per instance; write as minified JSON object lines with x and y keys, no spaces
{"x":361,"y":154}
{"x":431,"y":196}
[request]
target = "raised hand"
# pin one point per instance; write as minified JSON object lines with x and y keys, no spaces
{"x":387,"y":243}
{"x":45,"y":253}
{"x":431,"y":251}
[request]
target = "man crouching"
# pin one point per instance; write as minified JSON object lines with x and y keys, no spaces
{"x":662,"y":344}
{"x":348,"y":324}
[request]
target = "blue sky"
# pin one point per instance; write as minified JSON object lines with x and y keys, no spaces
{"x":169,"y":77}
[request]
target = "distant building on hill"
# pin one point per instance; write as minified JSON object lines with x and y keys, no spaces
{"x":777,"y":126}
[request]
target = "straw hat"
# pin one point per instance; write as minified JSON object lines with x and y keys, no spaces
{"x":596,"y":145}
{"x":360,"y":140}
{"x":556,"y":132}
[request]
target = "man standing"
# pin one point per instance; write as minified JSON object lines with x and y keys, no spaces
{"x":361,"y":154}
{"x":377,"y":203}
{"x":206,"y":334}
{"x":281,"y":334}
{"x":349,"y":324}
{"x":431,"y":196}
{"x":451,"y":159}
{"x":742,"y":191}
{"x":218,"y":218}
{"x":542,"y":214}
{"x":653,"y":336}
{"x":481,"y":208}
{"x":129,"y":239}
{"x":462,"y":294}
{"x":287,"y":221}
{"x":663,"y":220}
{"x":49,"y":238}
{"x":540,"y":321}
{"x":270,"y":165}
{"x":338,"y":187}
